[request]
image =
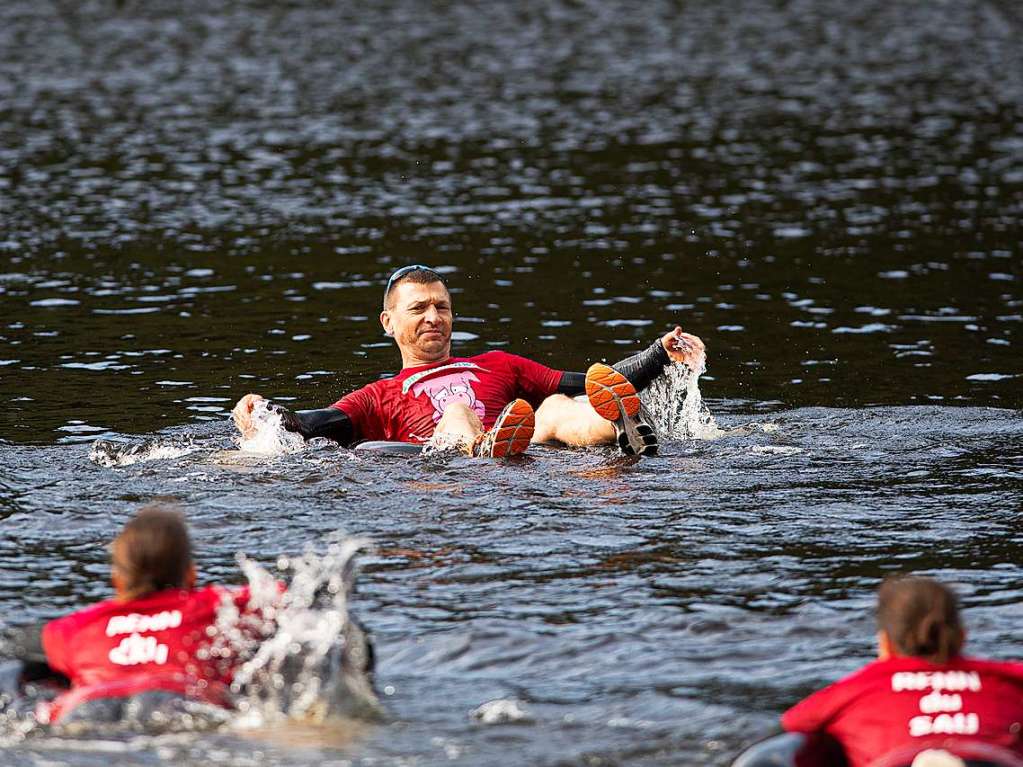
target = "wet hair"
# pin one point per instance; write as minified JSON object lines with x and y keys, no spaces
{"x":920,"y":617}
{"x":416,"y":273}
{"x":153,"y":552}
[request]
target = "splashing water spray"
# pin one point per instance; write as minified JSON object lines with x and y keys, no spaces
{"x":303,"y":657}
{"x":271,"y":438}
{"x":112,"y":454}
{"x":674,"y":402}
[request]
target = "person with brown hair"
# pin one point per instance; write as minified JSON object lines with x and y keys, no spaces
{"x":162,"y":642}
{"x":921,"y":690}
{"x":149,"y":636}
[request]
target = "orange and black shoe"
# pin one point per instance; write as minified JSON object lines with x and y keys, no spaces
{"x":510,"y":434}
{"x":615,"y":398}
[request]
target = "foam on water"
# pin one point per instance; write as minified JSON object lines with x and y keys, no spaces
{"x":113,"y":454}
{"x":501,"y":711}
{"x":270,"y":438}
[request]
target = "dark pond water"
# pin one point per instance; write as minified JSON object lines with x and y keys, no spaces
{"x":199,"y":202}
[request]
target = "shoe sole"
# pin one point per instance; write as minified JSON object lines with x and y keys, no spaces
{"x":513,"y":429}
{"x":615,"y":399}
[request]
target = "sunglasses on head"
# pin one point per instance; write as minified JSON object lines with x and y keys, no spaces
{"x":399,"y":273}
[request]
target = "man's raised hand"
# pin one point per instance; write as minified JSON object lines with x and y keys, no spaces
{"x":685,"y":348}
{"x":242,"y":414}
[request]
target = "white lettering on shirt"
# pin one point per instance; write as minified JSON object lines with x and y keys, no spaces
{"x":135,"y":649}
{"x":955,"y":681}
{"x":944,"y":724}
{"x":936,"y":702}
{"x":415,"y":378}
{"x":941,"y":708}
{"x":136,"y":622}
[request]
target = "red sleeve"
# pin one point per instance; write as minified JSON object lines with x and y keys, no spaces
{"x":55,"y":645}
{"x":535,"y":382}
{"x":361,"y":406}
{"x":814,"y":713}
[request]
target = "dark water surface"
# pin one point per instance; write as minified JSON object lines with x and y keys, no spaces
{"x":196,"y":202}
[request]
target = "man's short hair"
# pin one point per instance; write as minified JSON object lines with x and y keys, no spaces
{"x":153,"y":552}
{"x":418,"y":274}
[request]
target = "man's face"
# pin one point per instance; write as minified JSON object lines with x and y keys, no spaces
{"x":419,"y":317}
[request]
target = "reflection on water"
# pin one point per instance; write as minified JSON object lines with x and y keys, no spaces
{"x":197,"y":202}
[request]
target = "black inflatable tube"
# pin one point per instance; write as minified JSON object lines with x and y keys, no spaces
{"x":792,"y":749}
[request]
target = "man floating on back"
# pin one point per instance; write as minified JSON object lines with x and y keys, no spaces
{"x":492,"y":404}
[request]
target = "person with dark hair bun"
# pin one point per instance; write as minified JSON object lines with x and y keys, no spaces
{"x":921,"y":691}
{"x":160,"y":638}
{"x":148,"y":637}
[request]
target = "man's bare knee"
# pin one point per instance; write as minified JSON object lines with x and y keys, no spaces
{"x":455,"y":408}
{"x":459,"y":413}
{"x":552,"y":402}
{"x":547,"y":418}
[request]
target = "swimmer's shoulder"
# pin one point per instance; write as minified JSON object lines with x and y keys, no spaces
{"x":87,"y":614}
{"x":1011,"y":669}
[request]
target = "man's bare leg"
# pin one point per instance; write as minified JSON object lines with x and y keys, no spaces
{"x":458,"y":427}
{"x":571,"y":422}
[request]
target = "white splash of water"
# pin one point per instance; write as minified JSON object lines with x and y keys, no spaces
{"x":270,"y":438}
{"x":444,"y":445}
{"x":501,"y":711}
{"x":112,"y":454}
{"x":775,"y":450}
{"x":674,"y":403}
{"x":303,"y":657}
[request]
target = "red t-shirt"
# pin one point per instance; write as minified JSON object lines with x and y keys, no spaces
{"x":900,"y":702}
{"x":117,"y":648}
{"x":406,"y":408}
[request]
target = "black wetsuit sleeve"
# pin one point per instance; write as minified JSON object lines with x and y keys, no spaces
{"x":572,"y":383}
{"x":641,"y":369}
{"x":326,"y":422}
{"x":25,"y":643}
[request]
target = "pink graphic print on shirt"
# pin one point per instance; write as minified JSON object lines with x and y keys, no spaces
{"x":446,"y":389}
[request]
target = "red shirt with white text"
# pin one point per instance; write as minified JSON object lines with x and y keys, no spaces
{"x":901,"y":701}
{"x":116,"y":648}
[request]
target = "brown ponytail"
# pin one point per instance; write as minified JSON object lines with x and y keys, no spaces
{"x":921,"y":618}
{"x":153,"y":552}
